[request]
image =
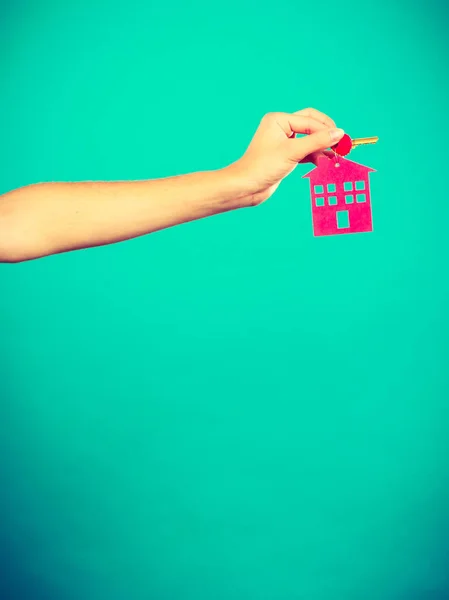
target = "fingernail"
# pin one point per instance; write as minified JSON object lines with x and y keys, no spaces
{"x":336,"y":135}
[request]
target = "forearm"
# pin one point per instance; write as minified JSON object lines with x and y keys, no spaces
{"x":49,"y":218}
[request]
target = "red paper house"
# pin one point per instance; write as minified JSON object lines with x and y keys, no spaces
{"x":341,"y":201}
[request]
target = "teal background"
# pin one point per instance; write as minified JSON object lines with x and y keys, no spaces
{"x":230,"y":409}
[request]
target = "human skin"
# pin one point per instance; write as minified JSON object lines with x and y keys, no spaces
{"x":50,"y":218}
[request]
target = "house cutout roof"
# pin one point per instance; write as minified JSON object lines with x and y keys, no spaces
{"x":325,"y":164}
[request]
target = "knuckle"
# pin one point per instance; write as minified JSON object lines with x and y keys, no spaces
{"x":309,"y":112}
{"x":270,"y":117}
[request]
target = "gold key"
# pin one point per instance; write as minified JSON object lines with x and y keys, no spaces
{"x":363,"y":141}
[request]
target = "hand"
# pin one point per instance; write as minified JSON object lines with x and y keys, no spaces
{"x":275,"y":149}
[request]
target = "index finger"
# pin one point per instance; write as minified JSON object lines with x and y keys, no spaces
{"x":317,"y":115}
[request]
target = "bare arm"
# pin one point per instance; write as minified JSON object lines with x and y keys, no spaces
{"x":50,"y":218}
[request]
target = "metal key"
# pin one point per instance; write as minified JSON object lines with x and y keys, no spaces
{"x":363,"y":141}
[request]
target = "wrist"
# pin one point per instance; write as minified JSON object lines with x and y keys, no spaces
{"x":243,"y":191}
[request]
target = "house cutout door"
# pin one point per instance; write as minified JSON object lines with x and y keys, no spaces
{"x":343,"y":219}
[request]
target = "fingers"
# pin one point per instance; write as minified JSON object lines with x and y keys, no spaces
{"x":315,"y":142}
{"x":318,"y":116}
{"x":302,"y":124}
{"x":316,"y":156}
{"x":293,"y":124}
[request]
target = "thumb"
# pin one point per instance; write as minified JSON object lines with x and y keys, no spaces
{"x":302,"y":147}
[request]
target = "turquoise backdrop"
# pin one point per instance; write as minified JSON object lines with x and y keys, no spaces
{"x":231,"y":409}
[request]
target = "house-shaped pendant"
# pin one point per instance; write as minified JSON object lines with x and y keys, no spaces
{"x":340,"y":194}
